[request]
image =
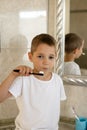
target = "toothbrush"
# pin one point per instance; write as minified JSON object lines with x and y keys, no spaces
{"x":41,"y":73}
{"x":76,"y":116}
{"x":83,"y":53}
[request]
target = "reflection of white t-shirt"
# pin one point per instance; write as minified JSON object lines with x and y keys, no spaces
{"x":38,"y":102}
{"x":71,"y":68}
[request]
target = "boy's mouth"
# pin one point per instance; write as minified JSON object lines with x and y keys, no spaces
{"x":45,"y":69}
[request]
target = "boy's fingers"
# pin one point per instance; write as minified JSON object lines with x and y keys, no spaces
{"x":28,"y":70}
{"x":23,"y":70}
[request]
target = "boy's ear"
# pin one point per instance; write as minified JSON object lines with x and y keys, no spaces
{"x":30,"y":56}
{"x":75,"y":51}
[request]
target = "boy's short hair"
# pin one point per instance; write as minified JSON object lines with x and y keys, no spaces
{"x":42,"y":39}
{"x":72,"y":42}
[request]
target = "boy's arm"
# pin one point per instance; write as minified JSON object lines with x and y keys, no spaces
{"x":5,"y":85}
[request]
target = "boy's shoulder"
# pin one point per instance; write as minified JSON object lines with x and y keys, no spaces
{"x":57,"y":76}
{"x":58,"y":80}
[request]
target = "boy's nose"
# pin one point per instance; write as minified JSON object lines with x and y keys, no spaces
{"x":45,"y":61}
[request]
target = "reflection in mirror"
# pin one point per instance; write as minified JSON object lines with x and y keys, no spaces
{"x":73,"y":50}
{"x":78,"y":23}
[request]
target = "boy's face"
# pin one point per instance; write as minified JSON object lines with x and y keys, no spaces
{"x":43,"y":58}
{"x":79,"y":51}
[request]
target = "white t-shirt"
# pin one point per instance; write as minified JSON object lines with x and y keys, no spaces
{"x":71,"y":68}
{"x":38,"y":102}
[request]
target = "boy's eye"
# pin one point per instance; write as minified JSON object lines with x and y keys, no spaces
{"x":40,"y":56}
{"x":51,"y":57}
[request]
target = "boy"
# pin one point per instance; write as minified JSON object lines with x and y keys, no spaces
{"x":38,"y":97}
{"x":73,"y":50}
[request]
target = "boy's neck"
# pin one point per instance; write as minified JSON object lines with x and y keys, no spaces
{"x":69,"y":57}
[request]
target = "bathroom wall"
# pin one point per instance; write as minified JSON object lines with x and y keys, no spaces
{"x":19,"y":23}
{"x":76,"y":97}
{"x":8,"y":109}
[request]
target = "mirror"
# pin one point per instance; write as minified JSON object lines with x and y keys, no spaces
{"x":77,"y":17}
{"x":78,"y":22}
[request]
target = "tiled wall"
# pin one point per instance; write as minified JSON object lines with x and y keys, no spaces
{"x":76,"y":97}
{"x":18,"y":25}
{"x":7,"y":124}
{"x":8,"y":127}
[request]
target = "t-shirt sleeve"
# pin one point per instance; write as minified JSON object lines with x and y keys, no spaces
{"x":16,"y":87}
{"x":77,"y":70}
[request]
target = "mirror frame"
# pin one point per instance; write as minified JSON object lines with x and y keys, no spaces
{"x":60,"y":32}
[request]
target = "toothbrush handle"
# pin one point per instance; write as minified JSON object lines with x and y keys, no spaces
{"x":40,"y":74}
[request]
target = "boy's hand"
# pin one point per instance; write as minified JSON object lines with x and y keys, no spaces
{"x":23,"y":71}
